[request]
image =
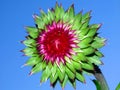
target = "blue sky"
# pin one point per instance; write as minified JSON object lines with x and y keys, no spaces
{"x":15,"y":14}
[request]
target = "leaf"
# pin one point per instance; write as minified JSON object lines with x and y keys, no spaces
{"x":60,"y":74}
{"x":66,"y":17}
{"x":77,"y":50}
{"x":99,"y":39}
{"x":80,"y":77}
{"x":88,"y":51}
{"x":91,"y":33}
{"x":43,"y":20}
{"x":76,"y":58}
{"x":85,"y":23}
{"x":40,"y":24}
{"x":78,"y":17}
{"x":83,"y":32}
{"x":81,"y":56}
{"x":70,"y":11}
{"x":76,"y":65}
{"x":45,"y":75}
{"x":54,"y":78}
{"x":32,"y":61}
{"x":85,"y":42}
{"x":51,"y":16}
{"x":98,"y":87}
{"x":60,"y":71}
{"x":118,"y":87}
{"x":62,"y":67}
{"x":95,"y":60}
{"x":97,"y":44}
{"x":59,"y":12}
{"x":37,"y":68}
{"x":64,"y":81}
{"x":87,"y":66}
{"x":85,"y":16}
{"x":54,"y":70}
{"x":95,"y":26}
{"x":70,"y":74}
{"x":32,"y":31}
{"x":50,"y":65}
{"x":99,"y":54}
{"x":75,"y":25}
{"x":83,"y":45}
{"x":42,"y":13}
{"x":70,"y":66}
{"x":29,"y":42}
{"x":30,"y":51}
{"x":77,"y":22}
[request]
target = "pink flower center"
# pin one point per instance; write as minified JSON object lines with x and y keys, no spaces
{"x":56,"y":42}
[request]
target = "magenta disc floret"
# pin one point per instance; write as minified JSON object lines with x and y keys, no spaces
{"x":56,"y":42}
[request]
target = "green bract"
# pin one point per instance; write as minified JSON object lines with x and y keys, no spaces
{"x":71,"y":68}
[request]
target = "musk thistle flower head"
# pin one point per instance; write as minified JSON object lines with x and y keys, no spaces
{"x":63,"y":45}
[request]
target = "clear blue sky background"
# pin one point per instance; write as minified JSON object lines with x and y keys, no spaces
{"x":15,"y":14}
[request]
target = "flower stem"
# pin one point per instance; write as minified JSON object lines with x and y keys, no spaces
{"x":100,"y":78}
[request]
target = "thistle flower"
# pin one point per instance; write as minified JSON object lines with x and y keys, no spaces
{"x":63,"y":46}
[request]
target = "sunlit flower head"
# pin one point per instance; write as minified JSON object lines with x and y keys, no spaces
{"x":63,"y":45}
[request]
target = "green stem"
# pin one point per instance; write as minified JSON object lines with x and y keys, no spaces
{"x":100,"y":78}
